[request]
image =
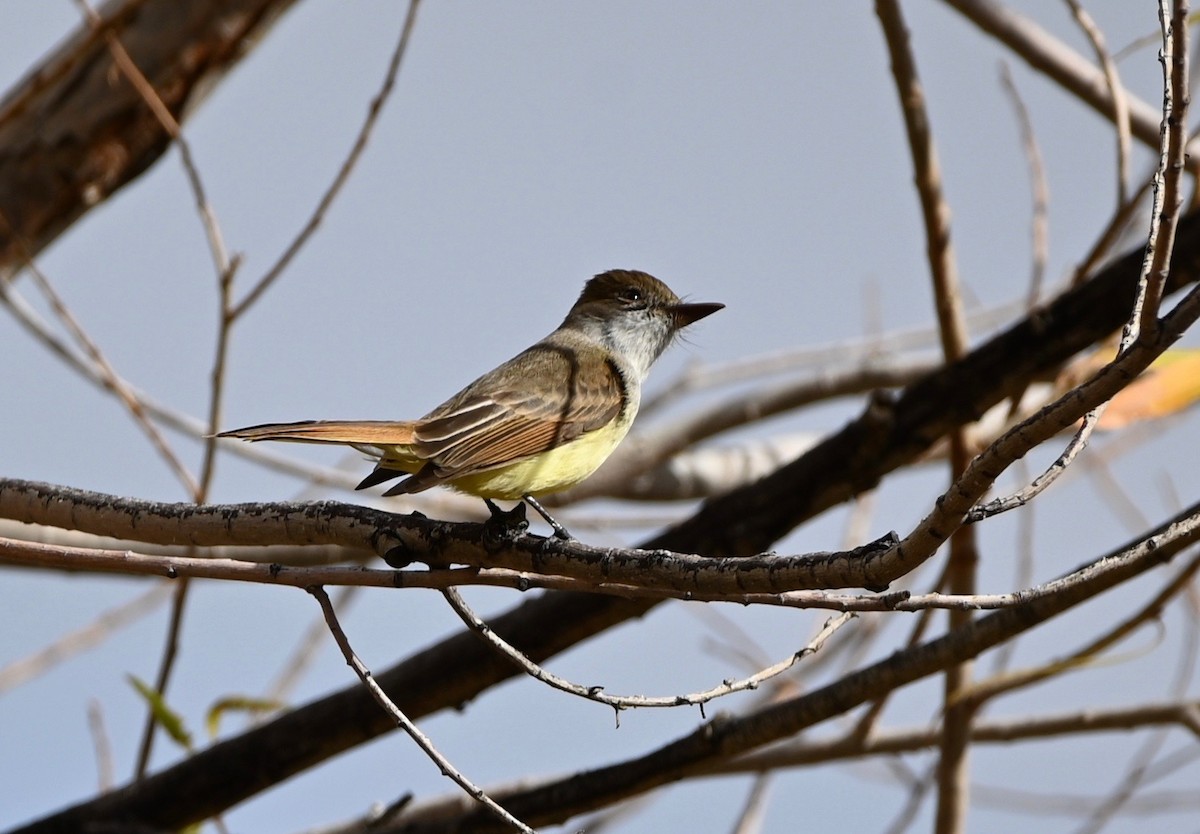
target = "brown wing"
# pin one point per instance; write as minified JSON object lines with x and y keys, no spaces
{"x":503,"y":416}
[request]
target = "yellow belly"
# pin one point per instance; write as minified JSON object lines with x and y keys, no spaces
{"x":548,"y":472}
{"x":551,"y":471}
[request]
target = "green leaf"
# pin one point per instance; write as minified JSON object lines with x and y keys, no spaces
{"x":170,"y":720}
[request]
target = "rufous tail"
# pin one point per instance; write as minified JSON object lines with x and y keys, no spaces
{"x":346,"y":432}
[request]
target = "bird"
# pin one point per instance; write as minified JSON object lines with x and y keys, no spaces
{"x":537,"y":424}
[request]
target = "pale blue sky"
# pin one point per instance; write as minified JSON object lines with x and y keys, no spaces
{"x":745,"y":153}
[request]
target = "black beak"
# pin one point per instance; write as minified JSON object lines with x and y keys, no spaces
{"x":685,"y":314}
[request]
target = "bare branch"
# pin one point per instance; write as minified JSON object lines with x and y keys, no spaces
{"x":129,"y":68}
{"x":803,"y":752}
{"x":620,"y":702}
{"x":360,"y":144}
{"x":888,"y":435}
{"x":402,"y":720}
{"x":82,"y":639}
{"x":1116,"y":92}
{"x":714,"y":742}
{"x":1050,"y":56}
{"x":112,"y":380}
{"x":1039,"y":234}
{"x":1143,"y":322}
{"x":101,"y":744}
{"x":635,"y":469}
{"x":943,"y":271}
{"x":70,"y":138}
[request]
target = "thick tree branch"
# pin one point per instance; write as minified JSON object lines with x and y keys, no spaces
{"x":447,"y":674}
{"x":804,"y":752}
{"x":1062,"y":64}
{"x":716,"y":741}
{"x":74,"y":131}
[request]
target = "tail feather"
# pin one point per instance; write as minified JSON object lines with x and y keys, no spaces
{"x":346,"y":432}
{"x":379,"y":475}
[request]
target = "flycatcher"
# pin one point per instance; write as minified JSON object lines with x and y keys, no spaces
{"x":541,"y":422}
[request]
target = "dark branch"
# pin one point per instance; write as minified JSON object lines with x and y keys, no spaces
{"x":889,"y":435}
{"x":71,"y":136}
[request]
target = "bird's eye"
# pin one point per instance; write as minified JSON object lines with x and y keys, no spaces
{"x":631,"y":296}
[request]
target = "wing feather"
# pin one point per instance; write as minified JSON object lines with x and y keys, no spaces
{"x":500,"y":419}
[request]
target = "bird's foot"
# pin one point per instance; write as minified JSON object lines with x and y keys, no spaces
{"x":504,"y":526}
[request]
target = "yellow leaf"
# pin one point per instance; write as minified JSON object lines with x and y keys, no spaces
{"x":1167,"y":387}
{"x":237,"y":703}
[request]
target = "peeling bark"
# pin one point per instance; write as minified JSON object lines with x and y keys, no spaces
{"x":74,"y":131}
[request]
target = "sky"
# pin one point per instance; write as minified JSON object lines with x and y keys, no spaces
{"x":751,"y":154}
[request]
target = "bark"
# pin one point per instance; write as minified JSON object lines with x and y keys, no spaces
{"x":74,"y":131}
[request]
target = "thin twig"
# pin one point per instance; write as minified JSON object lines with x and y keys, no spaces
{"x":1062,"y":64}
{"x":750,"y":819}
{"x":963,"y":557}
{"x":402,"y":720}
{"x":217,"y":375}
{"x":700,"y":377}
{"x":360,"y":143}
{"x":101,"y":745}
{"x":991,"y":688}
{"x":1116,"y":494}
{"x":1052,"y":473}
{"x":113,"y":380}
{"x":1073,"y":805}
{"x":1022,"y":570}
{"x":1139,"y":765}
{"x":1168,"y":192}
{"x":158,"y":107}
{"x":1143,"y":322}
{"x":129,"y":563}
{"x":225,"y":268}
{"x":302,"y":657}
{"x":1038,"y":224}
{"x":1116,"y":91}
{"x":620,"y":702}
{"x":39,"y":330}
{"x":1117,"y":225}
{"x":803,"y":751}
{"x":82,"y":639}
{"x":917,"y":791}
{"x":166,"y":665}
{"x":649,"y":448}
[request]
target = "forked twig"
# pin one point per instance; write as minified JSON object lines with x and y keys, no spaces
{"x":620,"y":702}
{"x":170,"y":125}
{"x":1143,"y":321}
{"x":360,"y":143}
{"x":961,"y":566}
{"x":1116,"y":91}
{"x":401,"y":719}
{"x":112,"y":380}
